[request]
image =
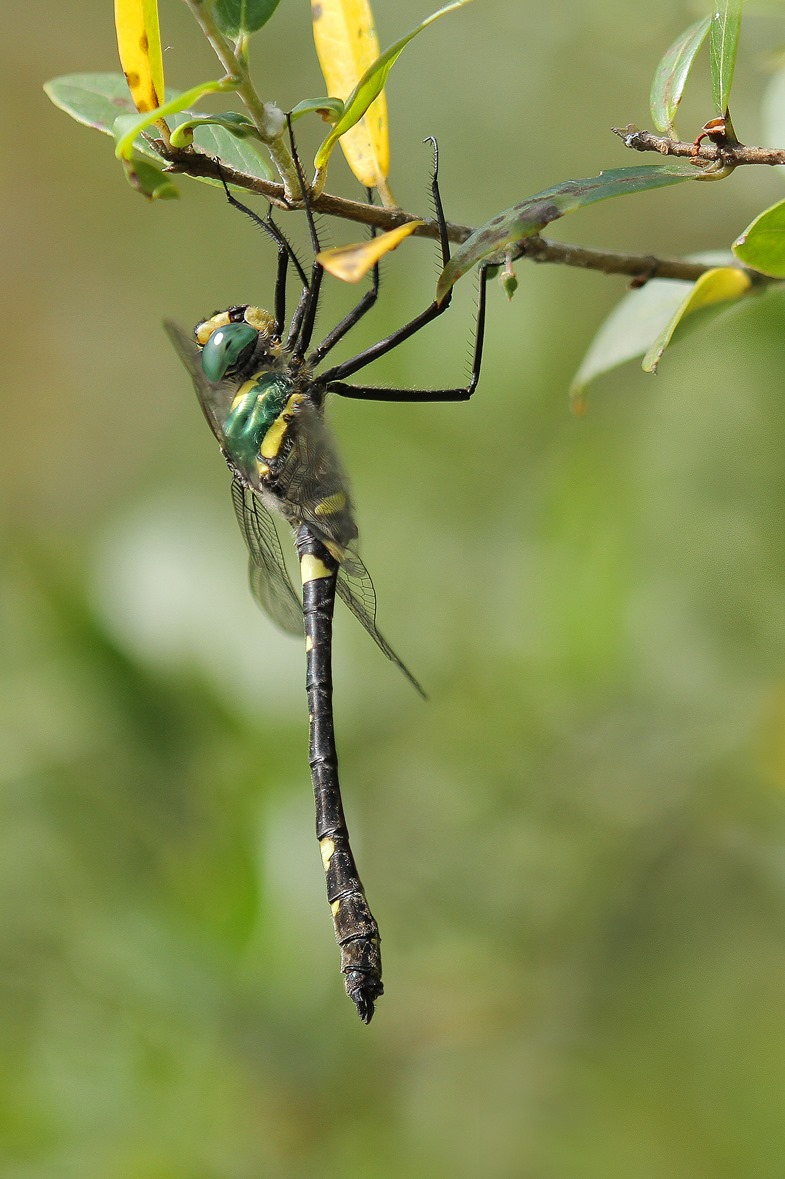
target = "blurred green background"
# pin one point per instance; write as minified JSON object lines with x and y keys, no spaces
{"x":575,"y":848}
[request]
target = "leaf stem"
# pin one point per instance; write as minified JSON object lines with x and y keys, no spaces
{"x":267,"y":118}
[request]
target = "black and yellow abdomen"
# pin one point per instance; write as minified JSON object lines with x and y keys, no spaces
{"x":356,"y":930}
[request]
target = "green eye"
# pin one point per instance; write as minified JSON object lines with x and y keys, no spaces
{"x":224,"y":350}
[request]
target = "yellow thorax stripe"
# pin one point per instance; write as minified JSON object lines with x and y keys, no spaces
{"x":273,"y":439}
{"x":244,"y":389}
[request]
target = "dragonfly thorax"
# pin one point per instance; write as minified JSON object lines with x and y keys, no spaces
{"x":258,"y":405}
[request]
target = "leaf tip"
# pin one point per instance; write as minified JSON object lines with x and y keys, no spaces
{"x":578,"y":403}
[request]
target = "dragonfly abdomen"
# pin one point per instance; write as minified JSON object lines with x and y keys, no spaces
{"x":356,"y":930}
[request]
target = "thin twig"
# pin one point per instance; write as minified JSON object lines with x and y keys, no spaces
{"x":637,"y":266}
{"x":270,"y":129}
{"x":728,"y":153}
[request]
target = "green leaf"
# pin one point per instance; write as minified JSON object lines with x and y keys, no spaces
{"x":723,"y":47}
{"x":722,"y":285}
{"x":238,"y":125}
{"x":671,"y":75}
{"x":636,"y":323}
{"x":96,"y":100}
{"x":533,"y":214}
{"x":244,"y":155}
{"x":150,"y":181}
{"x":629,"y":331}
{"x":762,"y":245}
{"x":371,"y":85}
{"x":234,"y":17}
{"x":125,"y":130}
{"x":330,"y":109}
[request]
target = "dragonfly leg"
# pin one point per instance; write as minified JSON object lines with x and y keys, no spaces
{"x":462,"y":393}
{"x":302,"y":338}
{"x":285,"y":252}
{"x":433,"y":311}
{"x":352,"y":317}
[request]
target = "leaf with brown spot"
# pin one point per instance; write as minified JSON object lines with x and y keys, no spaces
{"x":139,"y":46}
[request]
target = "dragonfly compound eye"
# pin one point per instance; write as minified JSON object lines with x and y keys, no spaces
{"x":227,"y":348}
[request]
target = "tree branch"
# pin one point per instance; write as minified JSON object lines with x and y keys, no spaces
{"x":196,"y":163}
{"x":270,"y":128}
{"x":640,"y":267}
{"x":729,"y":153}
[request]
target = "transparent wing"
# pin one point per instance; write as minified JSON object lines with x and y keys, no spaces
{"x":215,"y":399}
{"x":267,"y":572}
{"x":312,"y":482}
{"x":355,"y":589}
{"x":316,"y":493}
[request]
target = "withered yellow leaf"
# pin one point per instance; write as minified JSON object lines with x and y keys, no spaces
{"x":351,"y":263}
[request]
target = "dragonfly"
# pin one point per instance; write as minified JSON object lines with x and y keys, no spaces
{"x":263,"y":392}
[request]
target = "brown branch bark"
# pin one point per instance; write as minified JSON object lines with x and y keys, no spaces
{"x":640,"y":267}
{"x":729,"y":153}
{"x":195,"y":163}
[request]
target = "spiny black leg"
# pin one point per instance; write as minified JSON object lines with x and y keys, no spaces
{"x":280,"y":286}
{"x":348,"y":322}
{"x":297,"y":318}
{"x":355,"y":363}
{"x":269,"y":227}
{"x":444,"y":240}
{"x":302,"y":337}
{"x":284,"y":251}
{"x":362,"y":359}
{"x":355,"y":315}
{"x":377,"y":393}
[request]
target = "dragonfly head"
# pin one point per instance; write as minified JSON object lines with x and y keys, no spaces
{"x":229,"y":338}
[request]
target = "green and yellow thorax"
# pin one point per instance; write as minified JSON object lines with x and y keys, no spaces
{"x":257,"y":428}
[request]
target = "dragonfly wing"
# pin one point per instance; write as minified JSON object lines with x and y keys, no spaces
{"x":271,"y":585}
{"x":214,"y":398}
{"x":313,"y":484}
{"x":355,"y":589}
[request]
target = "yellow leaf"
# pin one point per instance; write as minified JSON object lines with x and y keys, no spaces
{"x":139,"y":45}
{"x":346,"y":45}
{"x":351,"y":263}
{"x":720,"y":285}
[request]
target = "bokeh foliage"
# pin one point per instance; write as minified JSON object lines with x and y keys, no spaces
{"x":575,"y":848}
